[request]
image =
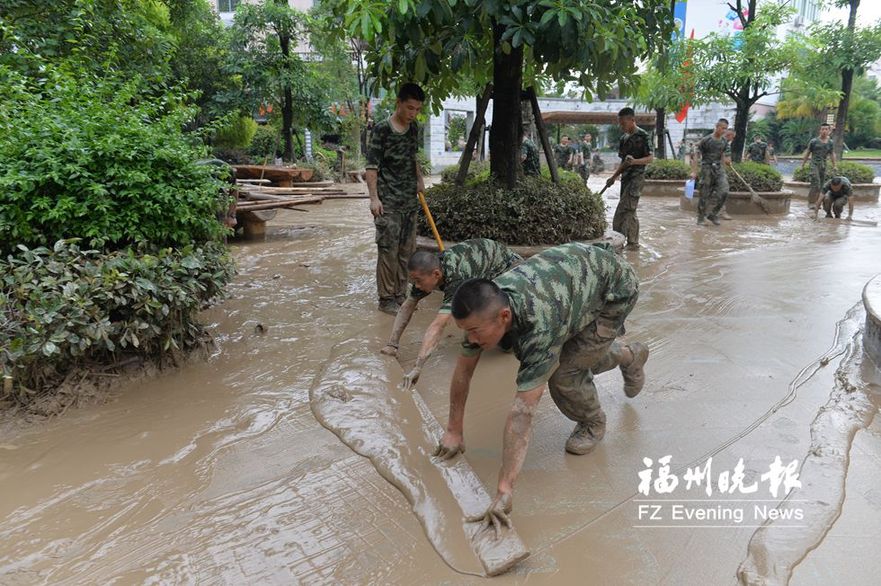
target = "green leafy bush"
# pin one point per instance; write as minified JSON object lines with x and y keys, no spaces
{"x":94,"y":159}
{"x":266,"y":143}
{"x":237,"y":134}
{"x":667,"y":169}
{"x":448,"y":175}
{"x":855,"y":172}
{"x":760,"y":177}
{"x":534,"y":212}
{"x":65,"y":307}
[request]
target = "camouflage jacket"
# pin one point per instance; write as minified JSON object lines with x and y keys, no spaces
{"x":480,"y":258}
{"x":845,"y":191}
{"x":393,"y":155}
{"x":820,"y":150}
{"x":637,"y":145}
{"x":757,"y":152}
{"x":712,"y":149}
{"x":553,"y":296}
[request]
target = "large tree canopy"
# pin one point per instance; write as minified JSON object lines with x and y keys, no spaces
{"x":511,"y":43}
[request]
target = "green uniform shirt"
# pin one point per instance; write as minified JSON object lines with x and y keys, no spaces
{"x":635,"y":144}
{"x":561,"y":152}
{"x":820,"y":150}
{"x":585,"y":150}
{"x":531,"y":164}
{"x":845,"y":191}
{"x":757,"y":152}
{"x":712,"y":149}
{"x":553,"y":296}
{"x":393,"y":155}
{"x":480,"y":258}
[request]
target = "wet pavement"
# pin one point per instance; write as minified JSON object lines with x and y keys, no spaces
{"x":219,"y":472}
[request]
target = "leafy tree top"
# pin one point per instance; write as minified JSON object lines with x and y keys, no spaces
{"x":437,"y":43}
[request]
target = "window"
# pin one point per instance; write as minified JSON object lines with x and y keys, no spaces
{"x":227,"y":5}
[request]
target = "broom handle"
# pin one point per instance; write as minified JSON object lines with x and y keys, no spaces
{"x":440,"y":243}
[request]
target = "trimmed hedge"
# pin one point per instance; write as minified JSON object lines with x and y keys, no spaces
{"x":667,"y":169}
{"x":64,"y":308}
{"x":448,"y":175}
{"x":855,"y":172}
{"x":534,"y":212}
{"x":760,"y":177}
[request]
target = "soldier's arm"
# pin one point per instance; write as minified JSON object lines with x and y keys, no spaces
{"x":695,"y":156}
{"x":432,"y":337}
{"x":833,"y":159}
{"x":401,"y":320}
{"x":453,"y":441}
{"x":420,"y":181}
{"x":850,"y":207}
{"x":804,"y":160}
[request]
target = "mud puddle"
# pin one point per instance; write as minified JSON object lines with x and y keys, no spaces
{"x":219,"y":472}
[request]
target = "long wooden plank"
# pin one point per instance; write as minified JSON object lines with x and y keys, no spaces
{"x":357,"y":396}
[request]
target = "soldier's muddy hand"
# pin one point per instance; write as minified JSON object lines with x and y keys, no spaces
{"x":628,"y":160}
{"x":450,"y":446}
{"x":376,"y":207}
{"x":411,"y":378}
{"x":389,"y":350}
{"x":496,"y":515}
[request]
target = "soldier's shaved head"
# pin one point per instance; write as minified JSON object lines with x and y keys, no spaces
{"x":477,"y":297}
{"x":423,"y":261}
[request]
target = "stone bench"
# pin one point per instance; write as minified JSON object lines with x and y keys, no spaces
{"x":740,"y":204}
{"x":872,"y":333}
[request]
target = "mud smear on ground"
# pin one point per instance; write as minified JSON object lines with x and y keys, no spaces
{"x":219,"y":472}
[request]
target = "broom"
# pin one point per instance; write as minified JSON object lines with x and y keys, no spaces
{"x":753,"y":196}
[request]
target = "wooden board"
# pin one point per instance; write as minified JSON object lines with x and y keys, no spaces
{"x":357,"y":396}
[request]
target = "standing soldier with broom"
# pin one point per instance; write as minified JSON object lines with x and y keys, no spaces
{"x":393,"y":180}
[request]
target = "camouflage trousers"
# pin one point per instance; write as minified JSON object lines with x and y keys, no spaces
{"x":584,"y":171}
{"x":835,"y":205}
{"x":625,"y":220}
{"x":395,"y":243}
{"x":591,"y":351}
{"x":713,"y":191}
{"x":818,"y":180}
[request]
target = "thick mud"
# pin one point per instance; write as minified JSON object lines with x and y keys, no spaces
{"x":220,"y":473}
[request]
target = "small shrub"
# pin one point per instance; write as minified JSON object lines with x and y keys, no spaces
{"x":266,"y":143}
{"x":232,"y":156}
{"x":874,"y":143}
{"x":66,"y":307}
{"x":534,"y":212}
{"x":99,"y":161}
{"x":760,"y":177}
{"x":448,"y":175}
{"x":855,"y":172}
{"x":238,"y":134}
{"x":668,"y":169}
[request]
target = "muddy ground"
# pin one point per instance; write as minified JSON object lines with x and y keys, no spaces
{"x":219,"y":472}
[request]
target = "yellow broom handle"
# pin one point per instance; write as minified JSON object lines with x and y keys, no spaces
{"x":440,"y":243}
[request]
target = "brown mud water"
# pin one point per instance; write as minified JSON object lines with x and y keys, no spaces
{"x":611,"y":237}
{"x":218,"y":472}
{"x":663,"y":187}
{"x":358,"y":396}
{"x":740,"y":203}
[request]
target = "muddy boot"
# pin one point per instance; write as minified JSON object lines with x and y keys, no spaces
{"x":701,"y":221}
{"x":634,"y":373}
{"x":586,"y":435}
{"x":724,"y":216}
{"x":632,"y":246}
{"x":714,"y":220}
{"x":828,"y":215}
{"x":389,"y":306}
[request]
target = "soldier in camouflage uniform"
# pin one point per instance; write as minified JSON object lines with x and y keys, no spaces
{"x":529,"y":158}
{"x":836,"y":194}
{"x":563,"y":152}
{"x":586,"y":152}
{"x":393,"y":180}
{"x":758,"y":151}
{"x":712,"y":150}
{"x":480,"y":258}
{"x":635,"y":151}
{"x":819,"y":149}
{"x":561,"y":311}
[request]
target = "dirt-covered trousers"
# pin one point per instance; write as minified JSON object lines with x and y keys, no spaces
{"x":834,"y":205}
{"x":818,"y":180}
{"x":591,"y":351}
{"x":714,"y":190}
{"x":625,"y":220}
{"x":395,"y":243}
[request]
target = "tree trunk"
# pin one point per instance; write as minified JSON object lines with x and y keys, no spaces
{"x":474,"y":134}
{"x":743,"y":102}
{"x":505,"y":133}
{"x":287,"y":106}
{"x":846,"y":87}
{"x":660,"y":126}
{"x":543,"y":136}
